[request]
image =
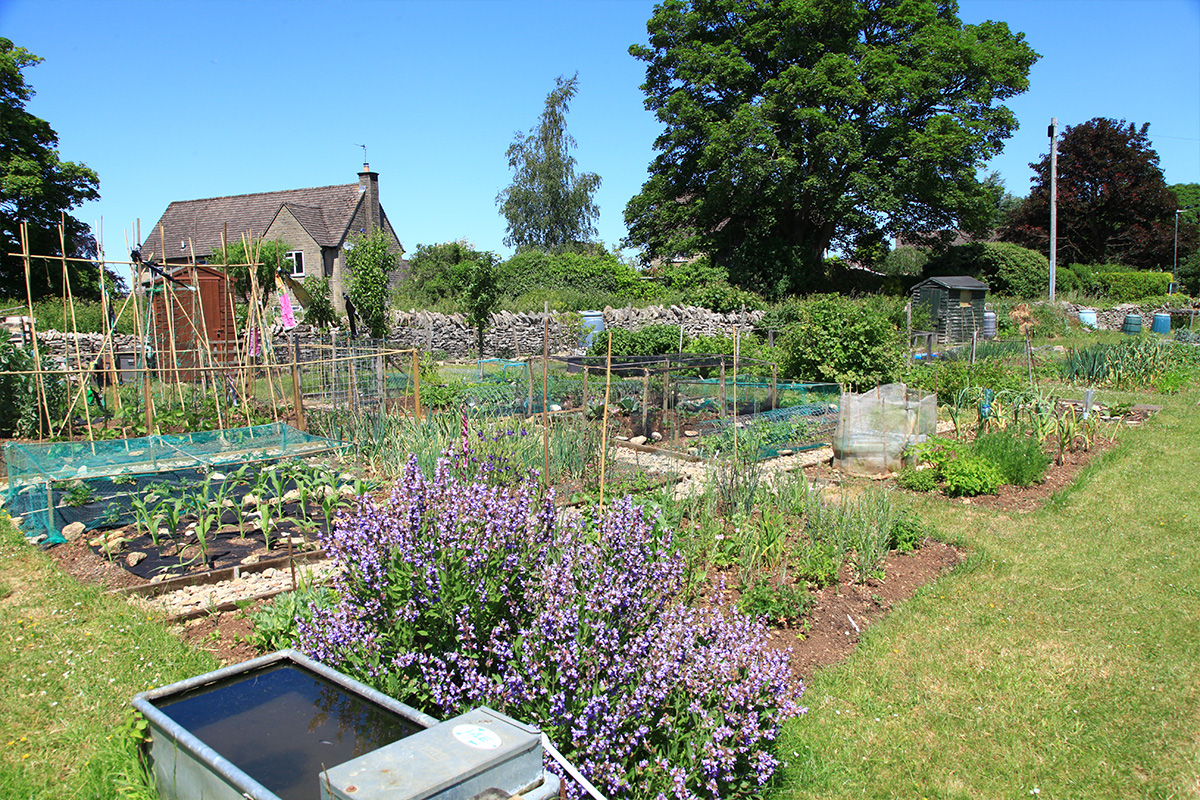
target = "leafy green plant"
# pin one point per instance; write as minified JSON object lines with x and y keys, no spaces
{"x":917,"y":480}
{"x":970,"y":476}
{"x":275,"y":622}
{"x":79,"y":493}
{"x":818,"y":562}
{"x":841,"y":340}
{"x":780,"y":601}
{"x":1020,"y":459}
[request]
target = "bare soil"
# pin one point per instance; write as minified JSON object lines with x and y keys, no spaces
{"x":828,"y":634}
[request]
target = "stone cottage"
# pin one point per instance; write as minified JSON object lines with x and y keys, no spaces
{"x":320,"y":223}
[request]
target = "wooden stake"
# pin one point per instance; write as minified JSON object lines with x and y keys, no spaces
{"x":545,"y":394}
{"x":416,"y":372}
{"x":604,"y":429}
{"x":114,"y":374}
{"x":297,"y":393}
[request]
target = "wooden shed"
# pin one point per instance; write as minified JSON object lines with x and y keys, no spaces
{"x":956,"y":304}
{"x":190,"y":316}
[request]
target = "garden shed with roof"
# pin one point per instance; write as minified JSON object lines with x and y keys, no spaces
{"x":955,"y":303}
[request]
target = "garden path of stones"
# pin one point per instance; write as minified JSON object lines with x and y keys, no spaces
{"x":693,"y":478}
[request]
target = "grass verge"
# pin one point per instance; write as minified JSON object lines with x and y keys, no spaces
{"x":1065,"y":663}
{"x":72,"y":658}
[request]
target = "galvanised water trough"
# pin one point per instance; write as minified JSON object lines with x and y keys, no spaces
{"x":285,"y":727}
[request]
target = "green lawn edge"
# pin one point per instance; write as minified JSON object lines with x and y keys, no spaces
{"x":1064,"y":662}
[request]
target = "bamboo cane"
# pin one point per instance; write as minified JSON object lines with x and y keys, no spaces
{"x":69,"y":298}
{"x":169,"y":300}
{"x":147,"y":399}
{"x":416,"y":371}
{"x":114,"y":375}
{"x":199,"y":297}
{"x":37,"y":356}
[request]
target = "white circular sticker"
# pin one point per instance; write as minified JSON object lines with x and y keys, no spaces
{"x":476,"y":736}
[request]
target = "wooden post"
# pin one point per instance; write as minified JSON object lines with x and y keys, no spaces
{"x":297,"y":390}
{"x":416,"y":373}
{"x":774,"y":387}
{"x":379,"y":381}
{"x":645,"y":400}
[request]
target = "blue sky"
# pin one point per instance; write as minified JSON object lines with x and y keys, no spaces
{"x":179,"y":100}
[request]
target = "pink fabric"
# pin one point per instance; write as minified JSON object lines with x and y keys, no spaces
{"x":254,"y":342}
{"x":285,"y":310}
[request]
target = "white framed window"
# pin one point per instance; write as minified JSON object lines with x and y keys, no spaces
{"x":296,"y":258}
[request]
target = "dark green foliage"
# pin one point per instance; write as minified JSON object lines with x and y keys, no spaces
{"x":480,"y":296}
{"x":547,"y":205}
{"x":905,"y":261}
{"x":320,"y":313}
{"x":839,"y":340}
{"x":1005,"y":268}
{"x":370,"y":264}
{"x":971,"y":475}
{"x":38,"y":188}
{"x":794,"y":127}
{"x":1113,"y":204}
{"x":21,"y":412}
{"x":592,"y":275}
{"x":909,"y":531}
{"x":723,"y":298}
{"x":652,"y":340}
{"x":1129,"y":287}
{"x":1020,"y":459}
{"x":917,"y":480}
{"x":440,"y":271}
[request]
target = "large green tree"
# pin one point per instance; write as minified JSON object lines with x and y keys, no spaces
{"x":793,"y":127}
{"x":1113,"y":204}
{"x":37,"y":187}
{"x":547,"y":205}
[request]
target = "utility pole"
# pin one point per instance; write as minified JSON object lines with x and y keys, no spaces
{"x":1052,"y":132}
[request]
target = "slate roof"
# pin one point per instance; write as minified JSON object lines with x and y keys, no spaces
{"x":324,"y":211}
{"x":955,"y":282}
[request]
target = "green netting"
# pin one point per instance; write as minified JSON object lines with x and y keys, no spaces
{"x":805,"y":419}
{"x":37,"y":473}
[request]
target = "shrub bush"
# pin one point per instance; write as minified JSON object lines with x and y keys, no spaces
{"x":48,"y":315}
{"x":1131,"y":286}
{"x":652,"y":340}
{"x":599,"y":275}
{"x":455,"y":594}
{"x":841,"y":340}
{"x":1005,"y":267}
{"x":905,"y":261}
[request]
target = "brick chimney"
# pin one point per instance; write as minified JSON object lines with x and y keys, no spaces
{"x":368,"y":184}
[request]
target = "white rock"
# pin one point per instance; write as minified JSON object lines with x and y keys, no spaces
{"x":250,"y":500}
{"x":216,"y":476}
{"x":72,"y":531}
{"x":656,"y":436}
{"x":638,"y":440}
{"x":291,"y":497}
{"x":691,"y":434}
{"x":555,"y":407}
{"x":135,"y":558}
{"x":250,"y":560}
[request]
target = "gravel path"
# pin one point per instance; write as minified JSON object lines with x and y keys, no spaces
{"x":191,"y":599}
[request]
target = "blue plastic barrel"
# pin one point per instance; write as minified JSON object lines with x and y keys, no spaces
{"x":1087,"y":317}
{"x":1133,"y":324}
{"x":593,"y":323}
{"x":1162,"y":322}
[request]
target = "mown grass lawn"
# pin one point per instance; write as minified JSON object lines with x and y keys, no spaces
{"x":1062,"y":660}
{"x":71,"y":658}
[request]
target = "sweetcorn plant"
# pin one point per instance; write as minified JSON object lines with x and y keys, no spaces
{"x":456,"y":593}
